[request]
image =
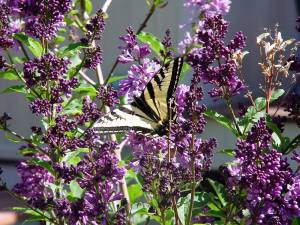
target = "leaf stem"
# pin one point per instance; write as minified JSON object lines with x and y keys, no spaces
{"x":234,"y":117}
{"x":140,"y":29}
{"x":18,"y":74}
{"x":29,"y":206}
{"x":25,"y":140}
{"x":293,"y":144}
{"x":193,"y":183}
{"x":24,"y":50}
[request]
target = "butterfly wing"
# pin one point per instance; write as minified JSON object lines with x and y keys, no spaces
{"x":161,"y":88}
{"x":123,"y":119}
{"x":149,"y":111}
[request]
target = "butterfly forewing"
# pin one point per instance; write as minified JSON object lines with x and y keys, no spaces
{"x":161,"y":88}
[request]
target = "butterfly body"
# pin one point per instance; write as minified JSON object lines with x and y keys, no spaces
{"x":151,"y":112}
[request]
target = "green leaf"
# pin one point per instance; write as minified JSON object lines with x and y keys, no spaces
{"x":216,"y":213}
{"x":201,"y":200}
{"x":116,"y":78}
{"x":296,"y":221}
{"x":46,"y":165}
{"x":261,"y":102}
{"x":276,"y":135}
{"x":15,"y":88}
{"x":26,"y":151}
{"x":59,"y":39}
{"x":88,"y":6}
{"x":54,"y":188}
{"x":229,"y":152}
{"x":84,"y":91}
{"x":71,"y":49}
{"x":219,"y":190}
{"x":73,"y":158}
{"x":160,"y":3}
{"x":19,"y":60}
{"x":11,"y":138}
{"x":221,"y":119}
{"x":154,"y":43}
{"x":34,"y":46}
{"x":277,"y":94}
{"x":9,"y":75}
{"x":33,"y":215}
{"x":135,"y":191}
{"x":76,"y":190}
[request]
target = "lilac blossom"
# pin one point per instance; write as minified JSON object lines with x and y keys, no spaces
{"x":108,"y":95}
{"x":43,"y":18}
{"x":214,"y":63}
{"x":6,"y":39}
{"x":138,"y":77}
{"x":93,"y":57}
{"x":95,"y":28}
{"x":209,"y":8}
{"x":272,"y":187}
{"x":33,"y":183}
{"x":181,"y":95}
{"x":49,"y":73}
{"x":132,"y":51}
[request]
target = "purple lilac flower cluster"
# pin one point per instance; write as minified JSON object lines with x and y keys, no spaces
{"x":43,"y":18}
{"x":6,"y":40}
{"x":48,"y":71}
{"x":33,"y":182}
{"x":167,"y":164}
{"x":98,"y":173}
{"x":141,"y":72}
{"x":101,"y":175}
{"x":108,"y":96}
{"x":208,"y":8}
{"x":272,"y":187}
{"x":222,"y":76}
{"x":95,"y":29}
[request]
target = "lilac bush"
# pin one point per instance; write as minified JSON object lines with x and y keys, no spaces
{"x":73,"y":174}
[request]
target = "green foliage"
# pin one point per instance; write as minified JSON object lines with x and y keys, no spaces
{"x":220,"y":119}
{"x":34,"y":46}
{"x":76,"y":192}
{"x":42,"y":163}
{"x":15,"y":89}
{"x":135,"y":192}
{"x":154,"y":43}
{"x":26,"y":151}
{"x":9,"y":75}
{"x":74,"y":157}
{"x":219,"y":190}
{"x":296,"y":221}
{"x":254,"y":113}
{"x":71,"y":49}
{"x":33,"y":215}
{"x":116,"y":78}
{"x":88,"y":6}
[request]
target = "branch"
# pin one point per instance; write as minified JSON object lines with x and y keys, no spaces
{"x":87,"y":79}
{"x":106,"y":5}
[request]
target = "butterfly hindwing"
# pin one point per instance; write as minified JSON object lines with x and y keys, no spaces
{"x":125,"y":118}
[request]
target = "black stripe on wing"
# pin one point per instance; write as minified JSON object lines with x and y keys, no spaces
{"x":141,"y":103}
{"x":176,"y":70}
{"x":145,"y":108}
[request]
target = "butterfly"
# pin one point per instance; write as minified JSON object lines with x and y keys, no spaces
{"x":151,"y":112}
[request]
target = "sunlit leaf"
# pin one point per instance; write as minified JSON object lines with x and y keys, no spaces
{"x":34,"y":46}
